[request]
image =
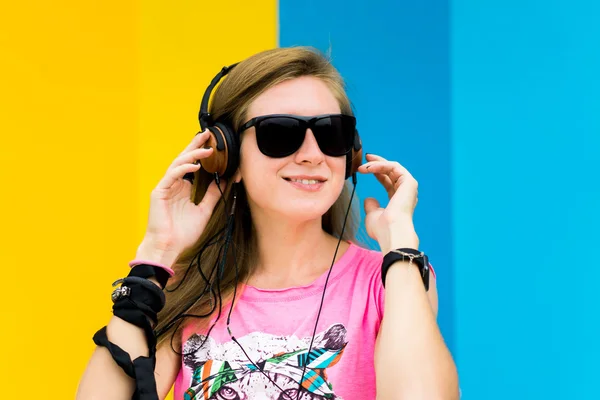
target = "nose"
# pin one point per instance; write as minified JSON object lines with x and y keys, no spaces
{"x":309,"y":151}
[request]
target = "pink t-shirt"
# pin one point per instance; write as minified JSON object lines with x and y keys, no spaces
{"x":275,"y":329}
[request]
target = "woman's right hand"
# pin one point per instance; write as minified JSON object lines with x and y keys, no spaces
{"x":175,"y":222}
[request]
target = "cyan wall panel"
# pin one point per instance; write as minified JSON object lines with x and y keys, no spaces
{"x":526,"y":192}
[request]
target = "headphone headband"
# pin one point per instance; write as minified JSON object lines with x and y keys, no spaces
{"x":204,"y":116}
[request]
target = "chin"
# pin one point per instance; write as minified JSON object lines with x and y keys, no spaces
{"x":302,"y":211}
{"x":293,"y":205}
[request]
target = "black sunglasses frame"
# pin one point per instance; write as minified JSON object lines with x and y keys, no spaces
{"x":306,"y":122}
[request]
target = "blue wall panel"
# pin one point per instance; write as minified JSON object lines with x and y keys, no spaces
{"x":394,"y":57}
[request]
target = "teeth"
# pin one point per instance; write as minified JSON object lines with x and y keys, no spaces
{"x":306,"y":181}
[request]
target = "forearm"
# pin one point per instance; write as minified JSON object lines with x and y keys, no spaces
{"x":103,"y":378}
{"x":411,"y":361}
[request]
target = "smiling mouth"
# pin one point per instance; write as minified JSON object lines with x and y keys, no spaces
{"x":305,"y":181}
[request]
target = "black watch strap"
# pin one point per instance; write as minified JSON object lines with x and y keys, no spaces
{"x":418,"y":258}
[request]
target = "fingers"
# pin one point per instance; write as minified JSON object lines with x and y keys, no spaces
{"x":191,"y":157}
{"x":372,"y":209}
{"x":197,"y":142}
{"x":396,"y":173}
{"x":186,"y":162}
{"x":392,"y":170}
{"x":386,"y":182}
{"x":194,"y":150}
{"x":371,"y":204}
{"x":176,"y":173}
{"x":400,"y":185}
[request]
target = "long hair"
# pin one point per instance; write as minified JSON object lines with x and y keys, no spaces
{"x":194,"y":269}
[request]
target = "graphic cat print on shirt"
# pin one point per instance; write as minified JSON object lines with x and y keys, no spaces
{"x":224,"y":372}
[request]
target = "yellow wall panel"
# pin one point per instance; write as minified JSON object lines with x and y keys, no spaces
{"x":97,"y":99}
{"x":182,"y":49}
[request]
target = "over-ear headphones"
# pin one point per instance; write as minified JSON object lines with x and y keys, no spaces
{"x":225,"y":141}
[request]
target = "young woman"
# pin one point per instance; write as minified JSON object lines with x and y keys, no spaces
{"x":293,"y":307}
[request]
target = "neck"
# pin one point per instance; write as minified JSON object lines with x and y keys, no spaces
{"x":291,"y":252}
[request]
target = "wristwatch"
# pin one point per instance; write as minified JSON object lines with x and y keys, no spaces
{"x":413,"y":256}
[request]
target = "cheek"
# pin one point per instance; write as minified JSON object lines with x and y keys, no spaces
{"x":258,"y":171}
{"x":254,"y":165}
{"x":337,"y":166}
{"x":250,"y":161}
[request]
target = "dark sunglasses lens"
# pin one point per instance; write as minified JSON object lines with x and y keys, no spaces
{"x":335,"y":134}
{"x":279,"y":136}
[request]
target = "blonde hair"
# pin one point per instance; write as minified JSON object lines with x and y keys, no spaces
{"x":230,"y":103}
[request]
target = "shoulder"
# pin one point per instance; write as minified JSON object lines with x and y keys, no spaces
{"x":360,"y":254}
{"x":362,"y":263}
{"x":364,"y":269}
{"x":362,"y":291}
{"x":363,"y":259}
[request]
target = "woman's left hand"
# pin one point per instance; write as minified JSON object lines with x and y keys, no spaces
{"x":392,"y":226}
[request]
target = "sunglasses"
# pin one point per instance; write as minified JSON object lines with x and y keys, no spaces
{"x":280,"y":135}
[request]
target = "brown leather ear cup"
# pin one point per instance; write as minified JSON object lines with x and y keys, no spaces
{"x":354,"y":159}
{"x":217,"y":161}
{"x":225,"y":157}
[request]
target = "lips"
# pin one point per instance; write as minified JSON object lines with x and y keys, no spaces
{"x":308,"y":183}
{"x":306,"y":179}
